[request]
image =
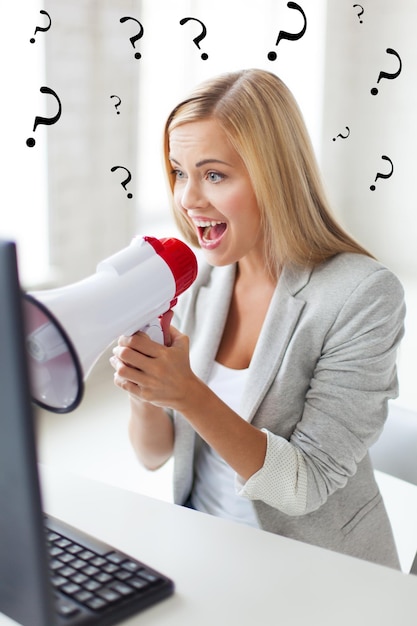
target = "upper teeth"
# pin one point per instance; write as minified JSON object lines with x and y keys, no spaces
{"x":205,"y":223}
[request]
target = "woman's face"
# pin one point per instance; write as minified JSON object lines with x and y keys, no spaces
{"x":212,"y":189}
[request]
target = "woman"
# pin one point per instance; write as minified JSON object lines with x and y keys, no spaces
{"x":277,"y":382}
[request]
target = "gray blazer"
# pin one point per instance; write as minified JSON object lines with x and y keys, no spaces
{"x":321,"y":376}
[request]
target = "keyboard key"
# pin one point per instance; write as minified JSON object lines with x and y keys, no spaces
{"x":83,"y":596}
{"x":138,"y":583}
{"x":122,"y":574}
{"x":86,"y":555}
{"x":62,"y":543}
{"x":131,"y":566}
{"x":66,"y":571}
{"x":66,"y":608}
{"x":51,"y":536}
{"x":78,"y":564}
{"x":92,"y":585}
{"x":98,"y":561}
{"x":66,"y":558}
{"x":103,"y":578}
{"x":96,"y":603}
{"x":122,"y":588}
{"x":108,"y":594}
{"x":110,"y":568}
{"x":79,"y":578}
{"x":58,"y":581}
{"x":90,"y":570}
{"x":115,"y":557}
{"x":149,"y":576}
{"x":74,"y":548}
{"x":70,"y":588}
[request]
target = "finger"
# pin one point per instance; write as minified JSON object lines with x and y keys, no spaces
{"x":140,"y":342}
{"x":126,"y":385}
{"x":178,"y":339}
{"x":165,"y":325}
{"x":124,"y":372}
{"x":131,"y":341}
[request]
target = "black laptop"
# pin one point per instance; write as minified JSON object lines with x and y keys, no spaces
{"x":50,"y":574}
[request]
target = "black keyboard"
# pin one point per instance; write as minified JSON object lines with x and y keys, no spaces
{"x":96,"y":584}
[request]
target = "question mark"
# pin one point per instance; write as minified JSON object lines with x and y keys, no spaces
{"x":197,"y":40}
{"x":127,"y":180}
{"x":374,"y":90}
{"x":135,"y":38}
{"x":360,"y":12}
{"x":379,"y":175}
{"x":343,"y":136}
{"x":45,"y":120}
{"x":291,"y":36}
{"x":118,"y":104}
{"x":39,"y":29}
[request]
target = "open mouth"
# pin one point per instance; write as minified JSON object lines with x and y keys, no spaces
{"x":210,"y":232}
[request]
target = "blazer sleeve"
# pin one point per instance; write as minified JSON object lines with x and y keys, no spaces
{"x":347,"y":403}
{"x":345,"y":406}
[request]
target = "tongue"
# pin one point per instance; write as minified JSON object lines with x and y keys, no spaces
{"x":214,"y":232}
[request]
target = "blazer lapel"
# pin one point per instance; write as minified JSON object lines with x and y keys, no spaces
{"x":284,"y":311}
{"x":280,"y":322}
{"x":212,"y":304}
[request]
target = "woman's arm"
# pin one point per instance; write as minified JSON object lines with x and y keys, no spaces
{"x":151,"y":434}
{"x":160,"y":377}
{"x":151,"y":430}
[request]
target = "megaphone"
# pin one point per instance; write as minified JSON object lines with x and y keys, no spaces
{"x":67,"y":329}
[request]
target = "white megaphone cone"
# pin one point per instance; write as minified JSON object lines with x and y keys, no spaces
{"x":70,"y":327}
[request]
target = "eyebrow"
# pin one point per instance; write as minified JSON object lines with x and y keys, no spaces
{"x":203,"y":162}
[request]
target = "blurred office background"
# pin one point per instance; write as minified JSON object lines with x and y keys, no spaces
{"x":68,"y":210}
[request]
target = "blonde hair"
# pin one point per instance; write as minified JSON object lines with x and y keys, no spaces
{"x":263,"y":123}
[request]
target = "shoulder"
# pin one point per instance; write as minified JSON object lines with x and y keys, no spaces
{"x":347,"y":285}
{"x":345,"y":273}
{"x":353,"y":292}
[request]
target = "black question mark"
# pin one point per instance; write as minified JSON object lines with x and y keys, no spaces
{"x":197,"y":40}
{"x":379,"y":175}
{"x":291,"y":36}
{"x":343,"y":136}
{"x":360,"y":12}
{"x":45,"y":120}
{"x":127,"y":180}
{"x":118,"y":104}
{"x":135,"y":38}
{"x":374,"y":90}
{"x":39,"y":28}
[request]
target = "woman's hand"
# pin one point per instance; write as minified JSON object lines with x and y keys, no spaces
{"x":151,"y":372}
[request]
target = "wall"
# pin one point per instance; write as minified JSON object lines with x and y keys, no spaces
{"x":90,"y":215}
{"x":382,"y":124}
{"x":379,"y":125}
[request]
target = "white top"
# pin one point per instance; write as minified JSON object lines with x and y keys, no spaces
{"x":214,"y":489}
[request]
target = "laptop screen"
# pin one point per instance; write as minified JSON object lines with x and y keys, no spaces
{"x":24,"y":584}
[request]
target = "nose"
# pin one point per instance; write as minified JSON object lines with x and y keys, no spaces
{"x":192,"y":196}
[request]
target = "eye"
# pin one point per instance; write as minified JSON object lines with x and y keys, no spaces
{"x":215,"y":177}
{"x":178,"y":174}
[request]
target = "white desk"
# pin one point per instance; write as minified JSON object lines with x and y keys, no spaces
{"x":228,"y":574}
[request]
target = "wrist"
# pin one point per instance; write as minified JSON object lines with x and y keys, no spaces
{"x":193,"y":397}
